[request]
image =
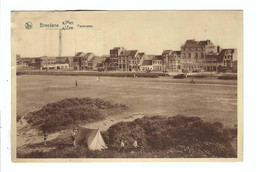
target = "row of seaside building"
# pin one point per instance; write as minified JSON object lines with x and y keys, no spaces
{"x":193,"y":56}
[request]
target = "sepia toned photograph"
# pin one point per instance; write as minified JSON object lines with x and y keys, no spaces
{"x":127,"y":86}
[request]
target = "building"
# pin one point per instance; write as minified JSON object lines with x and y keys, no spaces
{"x":227,"y":57}
{"x":157,"y":63}
{"x":102,"y":63}
{"x":140,"y":57}
{"x":65,"y":60}
{"x":147,"y":65}
{"x":174,"y":61}
{"x":106,"y":64}
{"x":133,"y":61}
{"x":96,"y":62}
{"x":48,"y":62}
{"x":223,"y":59}
{"x":165,"y":59}
{"x":127,"y":60}
{"x":81,"y":60}
{"x":90,"y":63}
{"x":114,"y":55}
{"x":99,"y":63}
{"x":193,"y":54}
{"x":71,"y":62}
{"x":28,"y":63}
{"x":211,"y":62}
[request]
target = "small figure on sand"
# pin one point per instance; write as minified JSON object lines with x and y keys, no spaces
{"x":21,"y":121}
{"x":45,"y":138}
{"x":192,"y":82}
{"x":122,"y":146}
{"x":135,"y":145}
{"x":74,"y":137}
{"x":76,"y":83}
{"x":98,"y":78}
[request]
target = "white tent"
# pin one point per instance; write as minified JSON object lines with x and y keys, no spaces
{"x":91,"y":138}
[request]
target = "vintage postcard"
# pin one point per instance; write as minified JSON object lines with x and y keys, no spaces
{"x":98,"y":86}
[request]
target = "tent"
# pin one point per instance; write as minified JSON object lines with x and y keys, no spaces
{"x":91,"y":138}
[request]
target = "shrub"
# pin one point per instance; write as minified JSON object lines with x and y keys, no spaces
{"x":197,"y":76}
{"x":60,"y":115}
{"x":188,"y":136}
{"x":228,"y":77}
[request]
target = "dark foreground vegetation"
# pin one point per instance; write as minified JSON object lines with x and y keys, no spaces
{"x":61,"y":115}
{"x":158,"y":136}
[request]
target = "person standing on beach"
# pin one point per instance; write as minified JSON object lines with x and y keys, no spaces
{"x":74,"y":136}
{"x":135,"y":144}
{"x":122,"y":146}
{"x":45,"y":138}
{"x":76,"y":83}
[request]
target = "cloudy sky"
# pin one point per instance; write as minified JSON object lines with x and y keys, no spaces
{"x":146,"y":31}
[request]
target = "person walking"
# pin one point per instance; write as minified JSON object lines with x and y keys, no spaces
{"x":76,"y":83}
{"x":45,"y":138}
{"x":98,"y":78}
{"x":192,"y":82}
{"x":74,"y":137}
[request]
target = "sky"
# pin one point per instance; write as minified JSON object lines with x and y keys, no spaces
{"x":145,"y":31}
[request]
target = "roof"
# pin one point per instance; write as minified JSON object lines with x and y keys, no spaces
{"x":157,"y":58}
{"x":218,"y":57}
{"x":141,"y":54}
{"x":147,"y":62}
{"x":133,"y":52}
{"x":80,"y":54}
{"x":93,"y":58}
{"x":116,"y":48}
{"x":105,"y":56}
{"x":204,"y":42}
{"x":70,"y":58}
{"x":89,"y":54}
{"x":167,"y":51}
{"x":27,"y":58}
{"x":129,"y":53}
{"x":150,"y":57}
{"x":176,"y":52}
{"x":99,"y":59}
{"x":193,"y":43}
{"x":223,"y":51}
{"x":48,"y":58}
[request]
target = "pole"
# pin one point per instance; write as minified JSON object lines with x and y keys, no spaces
{"x":60,"y":42}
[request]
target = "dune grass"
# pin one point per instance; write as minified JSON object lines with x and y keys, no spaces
{"x":158,"y":136}
{"x":60,"y":115}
